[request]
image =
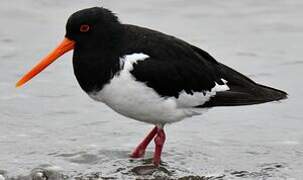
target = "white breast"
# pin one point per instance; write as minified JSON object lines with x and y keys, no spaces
{"x":134,"y":99}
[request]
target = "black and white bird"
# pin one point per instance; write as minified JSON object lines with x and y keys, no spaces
{"x":147,"y":75}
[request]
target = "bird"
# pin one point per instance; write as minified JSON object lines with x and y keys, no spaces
{"x":147,"y":75}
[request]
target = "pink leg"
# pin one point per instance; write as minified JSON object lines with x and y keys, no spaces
{"x":159,"y":142}
{"x":140,"y":149}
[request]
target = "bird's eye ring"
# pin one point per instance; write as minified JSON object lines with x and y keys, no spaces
{"x":84,"y":28}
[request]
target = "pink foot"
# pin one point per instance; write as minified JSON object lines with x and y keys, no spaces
{"x":159,"y":142}
{"x":140,"y":149}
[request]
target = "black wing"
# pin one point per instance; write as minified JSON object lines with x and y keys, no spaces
{"x":174,"y":66}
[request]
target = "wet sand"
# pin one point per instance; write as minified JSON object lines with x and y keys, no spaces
{"x":50,"y":128}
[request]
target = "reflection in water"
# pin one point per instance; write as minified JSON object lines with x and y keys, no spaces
{"x":149,"y":170}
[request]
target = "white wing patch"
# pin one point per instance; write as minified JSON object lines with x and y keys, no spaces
{"x":128,"y":60}
{"x":199,"y":98}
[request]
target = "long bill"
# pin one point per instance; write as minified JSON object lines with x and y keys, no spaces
{"x":65,"y":46}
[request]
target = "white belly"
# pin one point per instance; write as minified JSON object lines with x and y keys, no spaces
{"x":140,"y":102}
{"x":134,"y":99}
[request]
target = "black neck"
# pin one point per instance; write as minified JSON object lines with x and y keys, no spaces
{"x":96,"y":63}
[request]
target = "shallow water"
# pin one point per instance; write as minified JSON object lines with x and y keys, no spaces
{"x":51,"y":129}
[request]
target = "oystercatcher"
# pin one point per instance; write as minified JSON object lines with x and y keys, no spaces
{"x":147,"y":75}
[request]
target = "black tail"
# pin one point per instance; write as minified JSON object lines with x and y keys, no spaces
{"x":236,"y":96}
{"x":243,"y":91}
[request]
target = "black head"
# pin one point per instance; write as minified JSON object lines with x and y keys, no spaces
{"x":92,"y":26}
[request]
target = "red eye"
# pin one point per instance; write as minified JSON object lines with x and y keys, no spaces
{"x":84,"y":28}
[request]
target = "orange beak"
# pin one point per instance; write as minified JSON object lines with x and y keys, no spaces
{"x":65,"y":46}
